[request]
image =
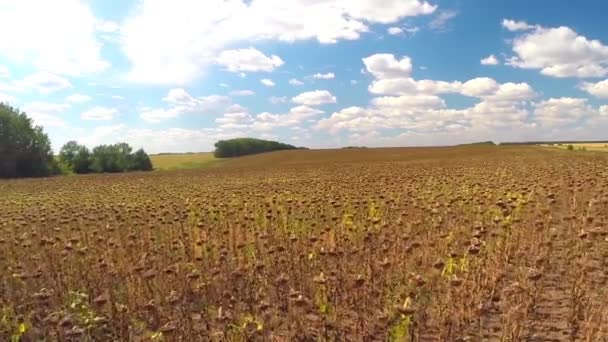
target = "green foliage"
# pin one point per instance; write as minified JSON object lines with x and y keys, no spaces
{"x":570,"y":147}
{"x":246,"y":146}
{"x":400,"y":329}
{"x":141,"y":161}
{"x":104,"y":158}
{"x":25,"y":150}
{"x":76,"y":158}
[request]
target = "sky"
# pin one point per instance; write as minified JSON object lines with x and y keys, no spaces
{"x":176,"y":76}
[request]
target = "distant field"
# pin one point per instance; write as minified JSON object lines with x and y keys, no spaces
{"x":182,"y":161}
{"x":592,"y":147}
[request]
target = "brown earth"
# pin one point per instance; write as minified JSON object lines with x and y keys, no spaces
{"x":423,"y":244}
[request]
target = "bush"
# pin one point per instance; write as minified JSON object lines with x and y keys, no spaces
{"x":570,"y":147}
{"x":245,"y":146}
{"x":25,"y":150}
{"x":141,"y":161}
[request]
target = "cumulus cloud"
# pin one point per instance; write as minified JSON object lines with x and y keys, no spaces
{"x":314,"y":98}
{"x":490,"y":60}
{"x":414,"y":106}
{"x":599,"y":89}
{"x":386,"y":66}
{"x":177,"y":55}
{"x":181,"y":102}
{"x":563,"y":111}
{"x":61,"y":37}
{"x":99,"y":114}
{"x":248,"y":60}
{"x":559,"y":52}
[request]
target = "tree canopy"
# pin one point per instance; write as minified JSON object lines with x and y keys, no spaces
{"x":25,"y":150}
{"x":245,"y":146}
{"x":104,"y":158}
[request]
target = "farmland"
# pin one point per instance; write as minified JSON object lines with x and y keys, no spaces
{"x":591,"y":147}
{"x":183,"y":161}
{"x":423,"y":244}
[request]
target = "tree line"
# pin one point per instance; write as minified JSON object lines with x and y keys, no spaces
{"x":103,"y":158}
{"x":25,"y":151}
{"x":246,"y":146}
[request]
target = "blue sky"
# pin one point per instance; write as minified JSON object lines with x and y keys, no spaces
{"x":175,"y":76}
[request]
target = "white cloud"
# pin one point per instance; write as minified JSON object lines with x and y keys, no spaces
{"x":242,"y":93}
{"x":418,"y":110}
{"x":513,"y":25}
{"x":295,"y":82}
{"x":158,"y":115}
{"x":107,"y":134}
{"x":60,"y":37}
{"x":46,"y":114}
{"x":181,"y":103}
{"x":442,"y":19}
{"x":107,"y":26}
{"x":490,"y":60}
{"x":314,"y":98}
{"x":479,"y":87}
{"x":296,"y":115}
{"x":327,"y":76}
{"x":267,"y":82}
{"x":556,"y":112}
{"x":354,"y":82}
{"x":177,"y":55}
{"x":179,"y":96}
{"x":78,"y":98}
{"x":599,"y":89}
{"x":560,"y":52}
{"x":4,"y":72}
{"x":6,"y":98}
{"x":43,"y":82}
{"x":248,"y":60}
{"x":99,"y":114}
{"x":386,"y":66}
{"x":277,"y":100}
{"x":403,"y":30}
{"x":409,"y":101}
{"x":394,"y":30}
{"x":404,"y":86}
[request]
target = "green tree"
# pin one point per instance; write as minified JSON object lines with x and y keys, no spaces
{"x":141,"y":161}
{"x":245,"y":146}
{"x":70,"y":155}
{"x":82,"y":161}
{"x":104,"y":159}
{"x":25,"y":150}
